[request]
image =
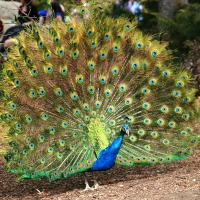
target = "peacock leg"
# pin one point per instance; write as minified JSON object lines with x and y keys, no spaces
{"x":87,"y":187}
{"x":96,"y":185}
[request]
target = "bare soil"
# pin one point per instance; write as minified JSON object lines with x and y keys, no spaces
{"x":178,"y":180}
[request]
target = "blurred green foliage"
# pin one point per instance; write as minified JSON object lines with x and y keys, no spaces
{"x":194,"y":1}
{"x":185,"y":25}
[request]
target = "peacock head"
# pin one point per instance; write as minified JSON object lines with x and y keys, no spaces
{"x":125,"y":129}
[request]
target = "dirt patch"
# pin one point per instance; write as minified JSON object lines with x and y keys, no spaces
{"x":178,"y":180}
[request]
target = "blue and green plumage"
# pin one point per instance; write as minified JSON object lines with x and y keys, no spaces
{"x":66,"y":90}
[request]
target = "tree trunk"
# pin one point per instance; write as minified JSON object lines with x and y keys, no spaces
{"x":167,"y":8}
{"x":184,"y":1}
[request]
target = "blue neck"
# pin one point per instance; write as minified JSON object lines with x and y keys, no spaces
{"x":108,"y":155}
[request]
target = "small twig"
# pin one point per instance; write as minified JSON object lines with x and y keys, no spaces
{"x":39,"y":191}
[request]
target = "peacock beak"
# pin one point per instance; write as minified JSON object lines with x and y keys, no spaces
{"x":127,"y":132}
{"x":126,"y":129}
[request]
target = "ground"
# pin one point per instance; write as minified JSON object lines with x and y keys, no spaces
{"x":178,"y":180}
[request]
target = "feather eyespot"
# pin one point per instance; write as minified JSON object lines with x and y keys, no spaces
{"x":98,"y":104}
{"x":44,"y":116}
{"x":183,"y":133}
{"x":111,"y":109}
{"x":64,"y":71}
{"x":179,"y":84}
{"x":58,"y":92}
{"x":115,"y":48}
{"x":152,"y":82}
{"x":112,"y":123}
{"x":16,"y":65}
{"x":75,"y":55}
{"x":185,"y":116}
{"x":91,"y":66}
{"x":91,"y":90}
{"x":93,"y":114}
{"x":154,"y":53}
{"x":41,"y":138}
{"x":25,"y":151}
{"x":168,"y":159}
{"x":147,"y":121}
{"x":12,"y":105}
{"x":139,"y":46}
{"x":86,"y":106}
{"x":18,"y":126}
{"x":76,"y":112}
{"x":145,"y":90}
{"x":32,"y":93}
{"x":71,"y":30}
{"x":132,"y":139}
{"x":60,"y":109}
{"x":166,"y":142}
{"x":154,"y":134}
{"x":103,"y":55}
{"x":194,"y":140}
{"x":119,"y":37}
{"x":65,"y":174}
{"x":128,"y":101}
{"x":115,"y":72}
{"x":61,"y":52}
{"x":64,"y":124}
{"x":186,"y":99}
{"x":31,"y":146}
{"x":135,"y":66}
{"x":90,"y":33}
{"x":172,"y":124}
{"x":178,"y":110}
{"x":48,"y":69}
{"x":127,"y":27}
{"x":34,"y":71}
{"x":102,"y":79}
{"x":176,"y":94}
{"x":48,"y":55}
{"x":160,"y":122}
{"x":17,"y":82}
{"x":141,"y":132}
{"x":50,"y":149}
{"x":42,"y":160}
{"x":41,"y":44}
{"x":56,"y":39}
{"x":106,"y":36}
{"x":59,"y":155}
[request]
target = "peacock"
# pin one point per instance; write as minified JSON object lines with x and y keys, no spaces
{"x":92,"y":93}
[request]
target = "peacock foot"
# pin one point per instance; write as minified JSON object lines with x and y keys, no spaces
{"x":96,"y":185}
{"x":87,"y":187}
